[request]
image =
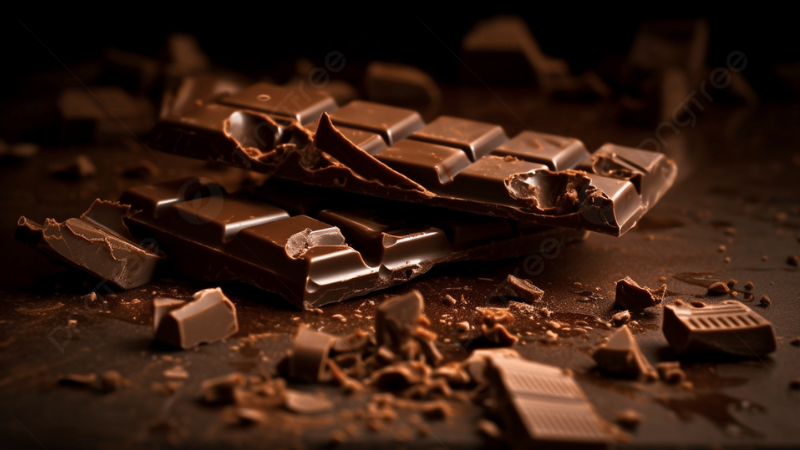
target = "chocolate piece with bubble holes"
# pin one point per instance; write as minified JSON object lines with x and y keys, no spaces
{"x":451,"y":163}
{"x":97,"y":243}
{"x":731,"y":328}
{"x":312,"y":245}
{"x":543,"y":407}
{"x":207,"y":318}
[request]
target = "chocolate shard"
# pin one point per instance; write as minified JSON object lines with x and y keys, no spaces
{"x":621,"y":356}
{"x":731,"y":328}
{"x":630,"y":296}
{"x":542,"y":406}
{"x":208,"y":318}
{"x":396,"y":319}
{"x":309,"y":358}
{"x":97,"y":243}
{"x":524,"y":289}
{"x":162,"y":307}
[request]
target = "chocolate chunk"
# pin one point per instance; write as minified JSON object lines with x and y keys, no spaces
{"x":308,"y":361}
{"x":621,"y":318}
{"x":221,"y":390}
{"x":764,"y":301}
{"x":304,"y":403}
{"x":629,"y":418}
{"x":98,"y":243}
{"x":620,"y":184}
{"x":78,"y":168}
{"x":670,"y":372}
{"x":396,"y":319}
{"x":791,"y":260}
{"x":110,"y":380}
{"x":633,"y":297}
{"x":621,"y":356}
{"x":731,"y":328}
{"x":543,"y":406}
{"x":208,"y":318}
{"x":749,"y":285}
{"x":718,"y":288}
{"x":524,"y":289}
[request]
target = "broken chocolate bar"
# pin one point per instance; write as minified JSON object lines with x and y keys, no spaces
{"x":209,"y":317}
{"x":621,"y":356}
{"x":543,"y":407}
{"x":312,"y":245}
{"x":452,"y":163}
{"x":98,"y":243}
{"x":730,"y":328}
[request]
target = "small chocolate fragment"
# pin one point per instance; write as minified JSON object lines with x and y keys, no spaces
{"x":631,"y":296}
{"x":718,"y":288}
{"x":629,"y":418}
{"x":78,"y":379}
{"x":621,"y":356}
{"x":670,"y":372}
{"x":98,"y":243}
{"x":396,"y":319}
{"x":304,"y":403}
{"x":731,"y":328}
{"x":791,"y":260}
{"x":731,"y":283}
{"x":764,"y":301}
{"x":221,"y":390}
{"x":110,"y":380}
{"x":749,"y":285}
{"x":795,"y":341}
{"x":309,"y":359}
{"x":489,"y":429}
{"x":795,"y":384}
{"x":621,"y":318}
{"x":524,"y":289}
{"x":544,"y":407}
{"x":209,"y":317}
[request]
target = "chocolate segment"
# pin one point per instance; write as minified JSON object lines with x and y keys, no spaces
{"x":543,"y":407}
{"x":397,"y":318}
{"x":530,"y":178}
{"x":621,"y":356}
{"x":730,"y":328}
{"x":209,"y":317}
{"x":309,"y":359}
{"x":313,"y":247}
{"x":300,"y":105}
{"x":97,"y":243}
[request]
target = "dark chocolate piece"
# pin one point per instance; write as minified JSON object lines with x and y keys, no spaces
{"x":309,"y":358}
{"x":311,"y":245}
{"x":221,"y":390}
{"x":621,"y":356}
{"x":98,"y":243}
{"x":542,"y":406}
{"x":396,"y":319}
{"x":524,"y":289}
{"x":209,"y":317}
{"x":612,"y":189}
{"x":731,"y":328}
{"x":632,"y":297}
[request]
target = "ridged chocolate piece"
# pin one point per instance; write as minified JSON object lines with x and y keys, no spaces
{"x":312,"y":245}
{"x":730,"y":328}
{"x":543,"y":407}
{"x":452,"y":162}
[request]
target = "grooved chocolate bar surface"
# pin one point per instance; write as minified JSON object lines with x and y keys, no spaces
{"x":543,"y":407}
{"x":314,"y":247}
{"x":390,"y":152}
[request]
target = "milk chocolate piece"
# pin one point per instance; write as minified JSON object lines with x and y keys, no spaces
{"x":162,"y":307}
{"x":220,"y":390}
{"x":730,"y":328}
{"x":309,"y":358}
{"x":396,"y":319}
{"x":208,"y":318}
{"x":621,"y":356}
{"x":543,"y":407}
{"x":632,"y":297}
{"x":422,"y":164}
{"x":524,"y":289}
{"x":98,"y":243}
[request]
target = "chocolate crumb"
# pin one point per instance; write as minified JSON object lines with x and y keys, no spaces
{"x":621,"y":318}
{"x":316,"y":311}
{"x":250,"y":416}
{"x":795,"y":341}
{"x":718,"y":288}
{"x":629,"y":418}
{"x":734,"y":294}
{"x":523,"y":289}
{"x":679,"y":302}
{"x":698,"y":304}
{"x":730,"y":231}
{"x":660,"y":279}
{"x":795,"y":384}
{"x":111,"y":380}
{"x":449,"y":299}
{"x":764,"y":301}
{"x":791,"y":260}
{"x":731,"y":283}
{"x":550,"y":336}
{"x":489,"y":429}
{"x":749,"y":285}
{"x":671,"y":372}
{"x":339,"y":317}
{"x":462,"y":327}
{"x":727,"y":259}
{"x":721,"y":248}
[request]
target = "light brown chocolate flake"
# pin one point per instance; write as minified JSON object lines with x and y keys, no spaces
{"x":305,"y":403}
{"x":448,"y":299}
{"x":489,"y":429}
{"x":621,"y":318}
{"x":727,"y":260}
{"x":110,"y":380}
{"x":718,"y":288}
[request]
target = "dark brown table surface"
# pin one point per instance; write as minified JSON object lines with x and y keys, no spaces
{"x":739,"y":168}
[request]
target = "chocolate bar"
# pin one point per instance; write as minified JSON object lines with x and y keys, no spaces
{"x":730,"y":328}
{"x":314,"y":247}
{"x":390,"y":152}
{"x":543,"y":407}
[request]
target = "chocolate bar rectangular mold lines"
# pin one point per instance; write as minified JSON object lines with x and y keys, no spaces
{"x":318,"y":251}
{"x":453,"y":163}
